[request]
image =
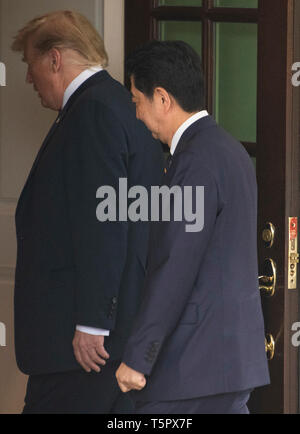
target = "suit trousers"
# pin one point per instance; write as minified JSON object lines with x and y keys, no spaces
{"x":77,"y":392}
{"x":228,"y":403}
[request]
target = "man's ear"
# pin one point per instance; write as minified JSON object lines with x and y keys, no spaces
{"x":163,"y":98}
{"x":55,"y":59}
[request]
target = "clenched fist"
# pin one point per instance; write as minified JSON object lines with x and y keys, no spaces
{"x":129,"y":379}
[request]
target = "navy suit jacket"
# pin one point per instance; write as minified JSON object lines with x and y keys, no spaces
{"x":200,"y":329}
{"x":72,"y":269}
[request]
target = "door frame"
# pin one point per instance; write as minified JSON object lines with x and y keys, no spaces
{"x":278,"y":151}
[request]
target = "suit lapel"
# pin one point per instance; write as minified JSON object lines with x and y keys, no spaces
{"x":44,"y":145}
{"x":35,"y":164}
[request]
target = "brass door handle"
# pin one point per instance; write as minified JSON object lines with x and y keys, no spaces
{"x":267,"y":282}
{"x":270,"y":346}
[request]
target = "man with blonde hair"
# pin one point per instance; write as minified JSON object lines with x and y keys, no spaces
{"x":78,"y":280}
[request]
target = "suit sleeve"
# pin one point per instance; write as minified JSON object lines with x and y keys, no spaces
{"x":177,"y":255}
{"x":95,"y":155}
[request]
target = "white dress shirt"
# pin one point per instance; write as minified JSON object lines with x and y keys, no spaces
{"x":73,"y":86}
{"x":78,"y":81}
{"x":177,"y":136}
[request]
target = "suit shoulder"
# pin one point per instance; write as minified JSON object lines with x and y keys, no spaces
{"x":215,"y":146}
{"x":108,"y":105}
{"x":110,"y":99}
{"x":111,"y":94}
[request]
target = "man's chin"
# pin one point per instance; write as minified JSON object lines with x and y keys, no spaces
{"x":47,"y":106}
{"x":43,"y":103}
{"x":157,"y":136}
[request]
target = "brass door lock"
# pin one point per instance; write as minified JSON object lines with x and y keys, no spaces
{"x":268,"y":235}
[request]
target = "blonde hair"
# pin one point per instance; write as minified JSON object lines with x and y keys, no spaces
{"x":63,"y":30}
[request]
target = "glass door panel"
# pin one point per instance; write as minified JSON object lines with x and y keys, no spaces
{"x":235,"y":105}
{"x":187,"y":31}
{"x":236,"y":3}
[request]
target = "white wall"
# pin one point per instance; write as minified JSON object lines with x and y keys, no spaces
{"x":114,"y":36}
{"x":23,"y":125}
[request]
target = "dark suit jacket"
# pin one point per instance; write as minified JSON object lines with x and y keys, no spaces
{"x":72,"y":269}
{"x":200,"y":329}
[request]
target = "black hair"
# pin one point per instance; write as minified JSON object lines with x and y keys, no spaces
{"x":172,"y":65}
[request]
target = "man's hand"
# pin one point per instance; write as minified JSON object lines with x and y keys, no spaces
{"x":89,"y":351}
{"x":129,"y":379}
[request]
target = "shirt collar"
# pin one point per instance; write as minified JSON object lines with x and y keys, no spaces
{"x":78,"y":81}
{"x":184,"y":127}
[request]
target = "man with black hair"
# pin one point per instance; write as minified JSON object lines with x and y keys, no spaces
{"x":197,"y":345}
